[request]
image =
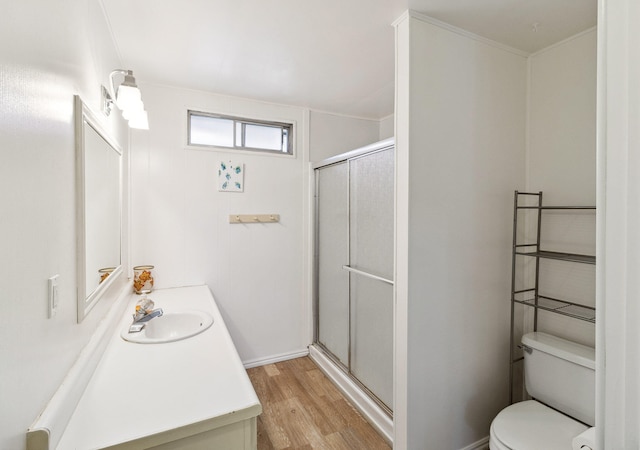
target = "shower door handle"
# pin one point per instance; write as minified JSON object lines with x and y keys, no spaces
{"x":368,"y":275}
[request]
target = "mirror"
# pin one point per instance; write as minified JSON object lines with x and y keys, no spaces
{"x":99,"y":194}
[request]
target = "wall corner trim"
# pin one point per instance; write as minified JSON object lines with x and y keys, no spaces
{"x":404,"y":16}
{"x":438,"y":23}
{"x":563,"y":42}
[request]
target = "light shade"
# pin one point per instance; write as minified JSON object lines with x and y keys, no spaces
{"x":129,"y":100}
{"x":133,"y":107}
{"x":139,"y":120}
{"x":128,"y":97}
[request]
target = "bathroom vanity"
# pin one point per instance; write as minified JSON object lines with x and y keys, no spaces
{"x":187,"y":394}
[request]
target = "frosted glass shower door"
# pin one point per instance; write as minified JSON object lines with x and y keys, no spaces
{"x":371,"y":201}
{"x":332,"y":250}
{"x":354,"y":268}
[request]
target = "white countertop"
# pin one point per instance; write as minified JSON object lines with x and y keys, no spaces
{"x":142,"y":390}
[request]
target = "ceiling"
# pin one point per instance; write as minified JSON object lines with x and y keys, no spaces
{"x":330,"y":55}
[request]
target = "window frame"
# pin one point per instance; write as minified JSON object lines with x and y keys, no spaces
{"x":287,"y":129}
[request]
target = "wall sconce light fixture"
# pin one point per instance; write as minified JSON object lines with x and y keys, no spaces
{"x":107,"y":101}
{"x":128,"y":99}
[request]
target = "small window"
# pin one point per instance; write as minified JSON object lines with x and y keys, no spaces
{"x":211,"y":130}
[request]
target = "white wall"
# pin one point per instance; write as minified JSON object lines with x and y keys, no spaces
{"x":48,"y":55}
{"x":460,"y":130}
{"x":386,"y":127}
{"x":561,"y":159}
{"x":258,"y":273}
{"x":561,"y":162}
{"x":618,"y":375}
{"x":333,"y":134}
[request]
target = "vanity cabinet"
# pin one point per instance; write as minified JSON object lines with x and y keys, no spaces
{"x":190,"y":394}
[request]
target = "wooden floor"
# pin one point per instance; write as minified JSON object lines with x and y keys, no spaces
{"x":302,"y":409}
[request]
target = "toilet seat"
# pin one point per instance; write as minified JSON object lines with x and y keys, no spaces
{"x":530,"y":425}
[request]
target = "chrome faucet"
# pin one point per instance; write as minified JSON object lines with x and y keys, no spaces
{"x":147,"y":316}
{"x":141,"y":317}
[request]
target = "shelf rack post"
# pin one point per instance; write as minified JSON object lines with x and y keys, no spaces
{"x":513,"y":294}
{"x":516,"y":208}
{"x":535,"y":292}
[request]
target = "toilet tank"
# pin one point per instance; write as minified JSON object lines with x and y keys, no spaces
{"x":561,"y":374}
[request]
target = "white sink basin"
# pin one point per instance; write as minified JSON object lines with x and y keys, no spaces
{"x":170,"y":327}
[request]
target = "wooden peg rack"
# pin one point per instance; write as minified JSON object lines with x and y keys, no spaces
{"x":254,"y":218}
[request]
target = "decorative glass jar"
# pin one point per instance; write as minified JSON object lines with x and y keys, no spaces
{"x":104,"y":273}
{"x":142,"y":279}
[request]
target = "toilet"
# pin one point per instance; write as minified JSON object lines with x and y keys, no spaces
{"x":560,"y":376}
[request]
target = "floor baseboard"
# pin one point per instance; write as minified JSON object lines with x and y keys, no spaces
{"x":482,"y":444}
{"x":274,"y":359}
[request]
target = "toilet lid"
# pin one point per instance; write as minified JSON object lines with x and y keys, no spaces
{"x":530,"y":425}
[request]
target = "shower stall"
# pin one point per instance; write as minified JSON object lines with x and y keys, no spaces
{"x":354,"y":270}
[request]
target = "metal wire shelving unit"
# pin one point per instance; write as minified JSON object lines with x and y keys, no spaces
{"x":531,"y":297}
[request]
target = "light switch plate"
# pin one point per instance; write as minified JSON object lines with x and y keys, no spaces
{"x":53,"y":296}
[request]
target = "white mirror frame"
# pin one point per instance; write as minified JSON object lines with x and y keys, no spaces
{"x":87,"y":300}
